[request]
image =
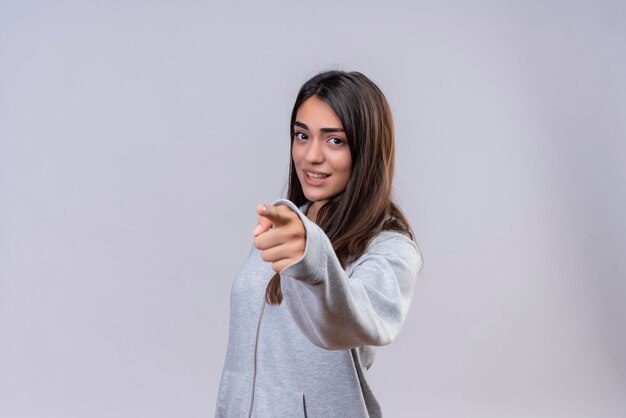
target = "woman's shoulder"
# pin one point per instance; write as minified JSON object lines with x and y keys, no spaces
{"x":390,"y":248}
{"x":393,"y":243}
{"x":390,"y":238}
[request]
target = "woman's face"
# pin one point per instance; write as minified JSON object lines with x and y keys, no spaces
{"x":320,"y":151}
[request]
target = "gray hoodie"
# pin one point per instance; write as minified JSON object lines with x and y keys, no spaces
{"x":307,"y":357}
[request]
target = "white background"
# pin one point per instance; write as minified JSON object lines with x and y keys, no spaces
{"x":136,"y":138}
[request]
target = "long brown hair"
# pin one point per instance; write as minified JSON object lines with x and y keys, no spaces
{"x":352,"y":218}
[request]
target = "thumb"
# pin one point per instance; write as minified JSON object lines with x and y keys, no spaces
{"x":263,"y":224}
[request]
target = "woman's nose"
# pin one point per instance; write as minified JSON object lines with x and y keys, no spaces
{"x":315,"y":152}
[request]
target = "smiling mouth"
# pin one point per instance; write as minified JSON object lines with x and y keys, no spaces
{"x":316,"y":176}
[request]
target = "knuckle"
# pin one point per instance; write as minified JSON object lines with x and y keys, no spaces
{"x":292,"y":234}
{"x":297,"y":235}
{"x":296,"y":231}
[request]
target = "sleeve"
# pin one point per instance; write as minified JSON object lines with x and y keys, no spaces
{"x":366,"y":305}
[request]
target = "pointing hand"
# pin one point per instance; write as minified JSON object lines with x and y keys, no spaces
{"x":280,"y":235}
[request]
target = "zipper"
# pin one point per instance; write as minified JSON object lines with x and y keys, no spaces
{"x":254,"y":359}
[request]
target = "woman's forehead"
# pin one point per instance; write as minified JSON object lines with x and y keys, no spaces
{"x":317,"y":114}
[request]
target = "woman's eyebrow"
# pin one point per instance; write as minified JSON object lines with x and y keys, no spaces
{"x":303,"y":125}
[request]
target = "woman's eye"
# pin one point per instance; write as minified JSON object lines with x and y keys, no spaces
{"x":336,"y":141}
{"x":301,"y":136}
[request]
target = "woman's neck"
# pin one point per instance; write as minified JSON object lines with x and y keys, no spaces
{"x":313,"y":209}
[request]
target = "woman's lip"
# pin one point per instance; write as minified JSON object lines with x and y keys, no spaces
{"x":315,"y":172}
{"x":313,"y":181}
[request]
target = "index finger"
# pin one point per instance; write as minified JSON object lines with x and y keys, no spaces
{"x":276,"y":215}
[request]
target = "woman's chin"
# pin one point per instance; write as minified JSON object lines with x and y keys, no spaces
{"x":315,"y":197}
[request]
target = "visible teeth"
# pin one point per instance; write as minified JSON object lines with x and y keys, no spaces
{"x":316,"y":176}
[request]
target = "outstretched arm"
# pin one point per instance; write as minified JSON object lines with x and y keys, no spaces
{"x":366,"y":305}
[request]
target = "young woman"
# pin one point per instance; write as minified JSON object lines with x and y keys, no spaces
{"x":332,"y":270}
